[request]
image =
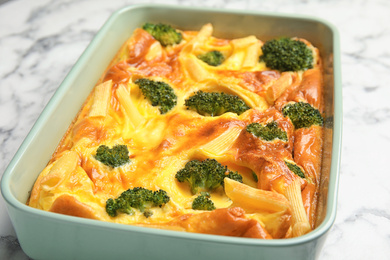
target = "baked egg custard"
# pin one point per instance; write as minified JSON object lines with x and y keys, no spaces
{"x":189,"y":132}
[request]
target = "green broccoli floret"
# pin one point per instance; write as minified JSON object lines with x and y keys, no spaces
{"x":203,"y":202}
{"x":148,"y":213}
{"x":113,"y":157}
{"x":215,"y":103}
{"x":205,"y":175}
{"x":234,"y":176}
{"x":255,"y":178}
{"x":138,"y":198}
{"x":158,"y":93}
{"x":268,"y":132}
{"x":213,"y":58}
{"x":295,"y":169}
{"x":302,"y":115}
{"x":286,"y":54}
{"x":163,"y":33}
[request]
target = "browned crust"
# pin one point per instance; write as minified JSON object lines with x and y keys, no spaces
{"x":309,"y":199}
{"x":308,"y":151}
{"x":308,"y":154}
{"x":69,"y":205}
{"x":226,"y":222}
{"x":309,"y":89}
{"x":304,"y":147}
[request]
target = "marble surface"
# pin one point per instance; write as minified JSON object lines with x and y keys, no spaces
{"x":40,"y":41}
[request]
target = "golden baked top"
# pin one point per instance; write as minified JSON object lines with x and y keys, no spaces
{"x":202,"y":135}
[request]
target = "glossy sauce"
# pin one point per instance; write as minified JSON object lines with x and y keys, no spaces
{"x":156,"y":157}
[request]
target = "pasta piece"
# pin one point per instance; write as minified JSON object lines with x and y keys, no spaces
{"x":91,"y":128}
{"x":139,"y":45}
{"x":277,"y":224}
{"x":101,"y":99}
{"x":60,"y":170}
{"x":255,"y":200}
{"x":308,"y":151}
{"x":252,"y":55}
{"x":310,"y":89}
{"x":245,"y":53}
{"x":300,"y":222}
{"x":195,"y":69}
{"x":278,"y":87}
{"x":309,"y":199}
{"x":222,"y":143}
{"x":69,"y":205}
{"x":131,"y":110}
{"x":203,"y":35}
{"x":244,"y":42}
{"x":190,"y":62}
{"x":155,"y":51}
{"x":307,"y":87}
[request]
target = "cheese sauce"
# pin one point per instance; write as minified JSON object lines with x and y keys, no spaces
{"x":76,"y":183}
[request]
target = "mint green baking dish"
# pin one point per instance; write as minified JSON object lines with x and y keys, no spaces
{"x":45,"y":235}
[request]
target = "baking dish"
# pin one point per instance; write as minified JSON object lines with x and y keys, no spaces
{"x":44,"y":235}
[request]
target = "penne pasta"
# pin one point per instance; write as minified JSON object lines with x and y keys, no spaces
{"x":278,"y":87}
{"x":245,"y":53}
{"x":252,"y":55}
{"x":101,"y":99}
{"x":307,"y":150}
{"x":203,"y":35}
{"x":254,"y":200}
{"x":242,"y":43}
{"x":189,"y":133}
{"x":310,"y":89}
{"x":222,"y":143}
{"x":61,"y":169}
{"x":300,"y":222}
{"x":155,"y":51}
{"x":195,"y":69}
{"x":129,"y":107}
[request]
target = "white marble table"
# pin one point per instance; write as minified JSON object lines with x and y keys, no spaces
{"x":40,"y":41}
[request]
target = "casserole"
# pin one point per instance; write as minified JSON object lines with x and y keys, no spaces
{"x":70,"y":237}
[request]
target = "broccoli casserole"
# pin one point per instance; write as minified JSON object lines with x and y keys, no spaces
{"x":189,"y":132}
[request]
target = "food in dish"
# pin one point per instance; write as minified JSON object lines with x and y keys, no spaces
{"x":190,"y":132}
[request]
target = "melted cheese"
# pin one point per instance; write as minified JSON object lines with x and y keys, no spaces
{"x":161,"y":144}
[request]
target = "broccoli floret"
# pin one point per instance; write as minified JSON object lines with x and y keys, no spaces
{"x":213,"y":58}
{"x":215,"y":103}
{"x":158,"y":93}
{"x":295,"y":169}
{"x":255,"y":178}
{"x":113,"y":157}
{"x":205,"y":175}
{"x":163,"y":33}
{"x":138,"y":198}
{"x":286,"y":54}
{"x":234,"y":176}
{"x":302,"y":115}
{"x":148,"y":213}
{"x":203,"y":202}
{"x":268,"y":132}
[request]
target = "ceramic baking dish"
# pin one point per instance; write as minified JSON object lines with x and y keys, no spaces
{"x":45,"y":235}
